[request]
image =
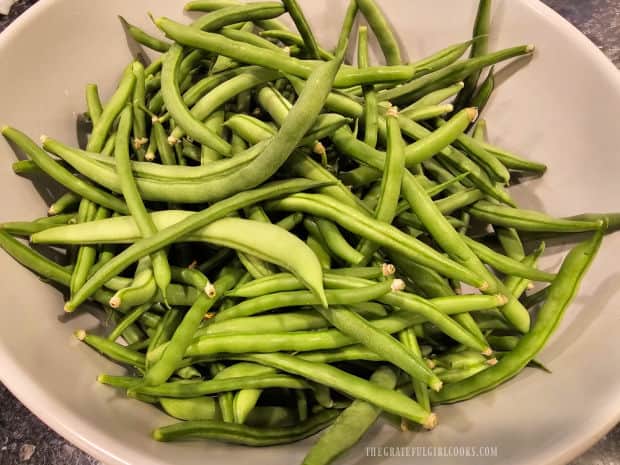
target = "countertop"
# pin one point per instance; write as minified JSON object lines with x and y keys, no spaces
{"x":25,"y":439}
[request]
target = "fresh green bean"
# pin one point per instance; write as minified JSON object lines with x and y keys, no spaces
{"x":251,"y":54}
{"x":144,"y":38}
{"x":350,"y":425}
{"x":450,"y":74}
{"x":384,"y":235}
{"x":381,"y":342}
{"x":479,"y":47}
{"x":65,"y":202}
{"x":337,"y":244}
{"x":434,"y":98}
{"x":302,"y":298}
{"x":93,"y":102}
{"x":390,"y":181}
{"x":81,"y":187}
{"x":528,"y":220}
{"x":379,"y":25}
{"x":297,"y":15}
{"x":112,"y":350}
{"x":561,"y":293}
{"x":386,"y":399}
{"x":243,"y":434}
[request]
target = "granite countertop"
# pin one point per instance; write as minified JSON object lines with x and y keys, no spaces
{"x":25,"y":439}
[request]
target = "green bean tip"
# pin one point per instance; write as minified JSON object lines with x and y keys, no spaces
{"x":157,"y":435}
{"x":115,"y":301}
{"x":4,"y":129}
{"x":430,"y":422}
{"x":492,"y":361}
{"x":487,"y":352}
{"x":472,"y":112}
{"x":436,"y":385}
{"x":172,"y":140}
{"x":80,"y":334}
{"x":398,"y":285}
{"x":502,"y":299}
{"x":210,"y":290}
{"x":392,"y":111}
{"x":387,"y":269}
{"x":43,"y":138}
{"x":530,"y":48}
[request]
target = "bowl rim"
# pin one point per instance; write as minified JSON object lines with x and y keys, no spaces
{"x":71,"y":427}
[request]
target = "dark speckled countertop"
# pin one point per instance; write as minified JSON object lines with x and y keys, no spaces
{"x":25,"y":439}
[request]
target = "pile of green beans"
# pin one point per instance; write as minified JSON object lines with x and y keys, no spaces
{"x":279,"y":249}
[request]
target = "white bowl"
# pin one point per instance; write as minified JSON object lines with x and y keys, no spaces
{"x":563,"y":109}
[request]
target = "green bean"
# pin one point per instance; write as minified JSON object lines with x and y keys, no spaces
{"x":86,"y":255}
{"x":475,"y":149}
{"x":251,"y":54}
{"x":528,"y":220}
{"x":165,"y":366}
{"x":561,"y":293}
{"x":479,"y":48}
{"x":153,"y":68}
{"x":193,"y":222}
{"x":141,"y":290}
{"x":461,"y":360}
{"x":144,"y":38}
{"x":512,"y":161}
{"x":163,"y":332}
{"x":93,"y":102}
{"x":127,"y":320}
{"x":225,"y":399}
{"x":26,"y":228}
{"x":390,"y":182}
{"x":213,"y":5}
{"x":246,"y":435}
{"x":152,"y":171}
{"x":434,"y":98}
{"x":112,"y":350}
{"x":352,"y":352}
{"x":252,"y":38}
{"x":516,"y":285}
{"x":455,"y":375}
{"x":195,"y":278}
{"x":384,"y":235}
{"x":297,"y":15}
{"x":347,"y":27}
{"x":139,"y":115}
{"x":111,"y":110}
{"x":189,"y":389}
{"x":245,"y":399}
{"x":320,"y":250}
{"x":337,"y":244}
{"x":408,"y":339}
{"x":458,"y":160}
{"x":484,"y":92}
{"x":450,"y":74}
{"x":42,"y":266}
{"x":381,"y":342}
{"x":510,"y":242}
{"x":379,"y":25}
{"x":302,"y":298}
{"x":62,"y":175}
{"x":429,"y":112}
{"x":171,"y":94}
{"x":199,"y":408}
{"x":65,"y":202}
{"x":287,"y":282}
{"x":415,"y":153}
{"x":386,"y":399}
{"x":290,"y":38}
{"x":370,"y":96}
{"x":351,"y":425}
{"x":123,"y":382}
{"x":506,"y":264}
{"x":161,"y":268}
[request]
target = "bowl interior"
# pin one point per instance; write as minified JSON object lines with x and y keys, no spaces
{"x":562,"y":108}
